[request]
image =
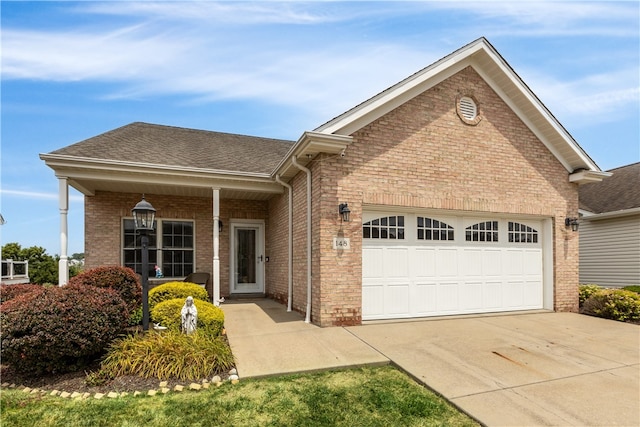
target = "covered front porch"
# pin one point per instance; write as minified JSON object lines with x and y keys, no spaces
{"x":220,"y":229}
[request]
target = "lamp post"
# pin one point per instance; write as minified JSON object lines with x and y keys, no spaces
{"x":143,"y":218}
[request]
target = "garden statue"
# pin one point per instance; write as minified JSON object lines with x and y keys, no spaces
{"x":158,"y":272}
{"x":189,"y":316}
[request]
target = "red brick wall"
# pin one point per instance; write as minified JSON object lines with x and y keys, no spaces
{"x":103,"y":226}
{"x":423,"y":155}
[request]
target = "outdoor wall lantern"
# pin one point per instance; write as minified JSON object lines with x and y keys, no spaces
{"x":144,"y":215}
{"x":573,"y":222}
{"x":344,"y":211}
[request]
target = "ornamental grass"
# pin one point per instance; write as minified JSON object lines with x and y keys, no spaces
{"x":168,"y":354}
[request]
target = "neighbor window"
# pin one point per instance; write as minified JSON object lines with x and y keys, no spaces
{"x":171,"y":247}
{"x":486,"y":231}
{"x":389,"y":227}
{"x":432,"y":229}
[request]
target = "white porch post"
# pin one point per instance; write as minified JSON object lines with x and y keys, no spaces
{"x":216,"y":246}
{"x":63,"y":202}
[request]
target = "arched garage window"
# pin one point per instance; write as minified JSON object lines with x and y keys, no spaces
{"x":432,"y":229}
{"x":388,"y":227}
{"x":486,"y":231}
{"x":521,"y":233}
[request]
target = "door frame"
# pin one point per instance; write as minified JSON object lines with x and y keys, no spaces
{"x":259,"y":225}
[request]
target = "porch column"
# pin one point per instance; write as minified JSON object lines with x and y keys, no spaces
{"x":216,"y":246}
{"x":63,"y":203}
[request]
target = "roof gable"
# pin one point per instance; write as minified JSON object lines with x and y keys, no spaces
{"x":486,"y":61}
{"x":619,"y":192}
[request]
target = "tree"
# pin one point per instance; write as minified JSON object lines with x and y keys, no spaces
{"x":43,"y":268}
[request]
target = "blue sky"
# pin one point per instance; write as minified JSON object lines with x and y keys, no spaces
{"x":72,"y":70}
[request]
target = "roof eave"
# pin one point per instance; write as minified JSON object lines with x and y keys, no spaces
{"x":588,"y":176}
{"x":310,"y":144}
{"x":610,"y":215}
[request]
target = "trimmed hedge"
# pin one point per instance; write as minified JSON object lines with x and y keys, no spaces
{"x":9,"y":292}
{"x":173,"y":290}
{"x":122,"y":279}
{"x":632,"y":288}
{"x":615,"y":304}
{"x":60,"y":329}
{"x":210,"y":317}
{"x":585,"y":291}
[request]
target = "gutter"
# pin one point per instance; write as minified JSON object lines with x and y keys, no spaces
{"x":294,"y":161}
{"x":289,"y":243}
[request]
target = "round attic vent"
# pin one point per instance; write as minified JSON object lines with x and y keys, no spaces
{"x":467,"y":109}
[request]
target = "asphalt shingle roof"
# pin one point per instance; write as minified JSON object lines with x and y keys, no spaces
{"x":176,"y":147}
{"x":618,"y":192}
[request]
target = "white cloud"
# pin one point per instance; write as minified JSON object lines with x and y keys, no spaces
{"x":213,"y":51}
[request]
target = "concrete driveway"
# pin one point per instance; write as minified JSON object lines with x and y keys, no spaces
{"x":528,"y":369}
{"x":504,"y":370}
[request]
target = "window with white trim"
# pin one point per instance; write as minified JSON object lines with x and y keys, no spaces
{"x":388,"y":227}
{"x":522,"y":233}
{"x":486,"y":231}
{"x":433,"y":229}
{"x":171,"y":246}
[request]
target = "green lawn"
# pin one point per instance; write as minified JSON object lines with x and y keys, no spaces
{"x":380,"y":396}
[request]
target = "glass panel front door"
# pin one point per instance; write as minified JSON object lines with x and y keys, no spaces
{"x":247,"y":259}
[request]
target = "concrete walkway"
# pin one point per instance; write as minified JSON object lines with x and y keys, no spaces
{"x":519,"y":369}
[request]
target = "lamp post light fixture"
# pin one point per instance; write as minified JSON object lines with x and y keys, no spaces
{"x":573,"y":222}
{"x":144,"y":216}
{"x":344,"y":211}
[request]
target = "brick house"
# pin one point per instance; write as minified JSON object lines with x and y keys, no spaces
{"x":458,"y":180}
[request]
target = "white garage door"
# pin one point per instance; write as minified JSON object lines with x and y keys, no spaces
{"x":418,"y":265}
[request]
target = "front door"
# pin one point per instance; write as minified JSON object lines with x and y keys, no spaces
{"x":247,"y":257}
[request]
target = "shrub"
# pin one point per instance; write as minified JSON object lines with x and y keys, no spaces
{"x":616,"y":304}
{"x":173,"y":290}
{"x":122,"y":279}
{"x":59,"y":329}
{"x":9,"y":292}
{"x":168,"y":354}
{"x":586,"y":291}
{"x":632,"y":288}
{"x":210,"y":317}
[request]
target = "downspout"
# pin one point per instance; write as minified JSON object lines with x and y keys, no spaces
{"x":290,"y":243}
{"x":294,"y":161}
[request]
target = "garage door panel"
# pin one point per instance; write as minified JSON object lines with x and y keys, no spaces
{"x":447,"y":296}
{"x":372,"y":263}
{"x":471,"y":262}
{"x":514,"y":294}
{"x":492,"y":297}
{"x":424,"y":299}
{"x":396,"y":262}
{"x":447,"y":262}
{"x":471,"y":296}
{"x":492,"y":263}
{"x":424,"y":262}
{"x":533,"y":263}
{"x":417,"y":278}
{"x":397,"y":299}
{"x":373,"y":300}
{"x":532,"y":293}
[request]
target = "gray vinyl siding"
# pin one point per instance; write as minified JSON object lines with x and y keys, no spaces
{"x":610,"y":251}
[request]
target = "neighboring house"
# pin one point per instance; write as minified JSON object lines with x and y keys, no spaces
{"x":610,"y":229}
{"x":458,"y":181}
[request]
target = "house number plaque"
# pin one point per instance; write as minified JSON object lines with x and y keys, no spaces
{"x":341,"y":243}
